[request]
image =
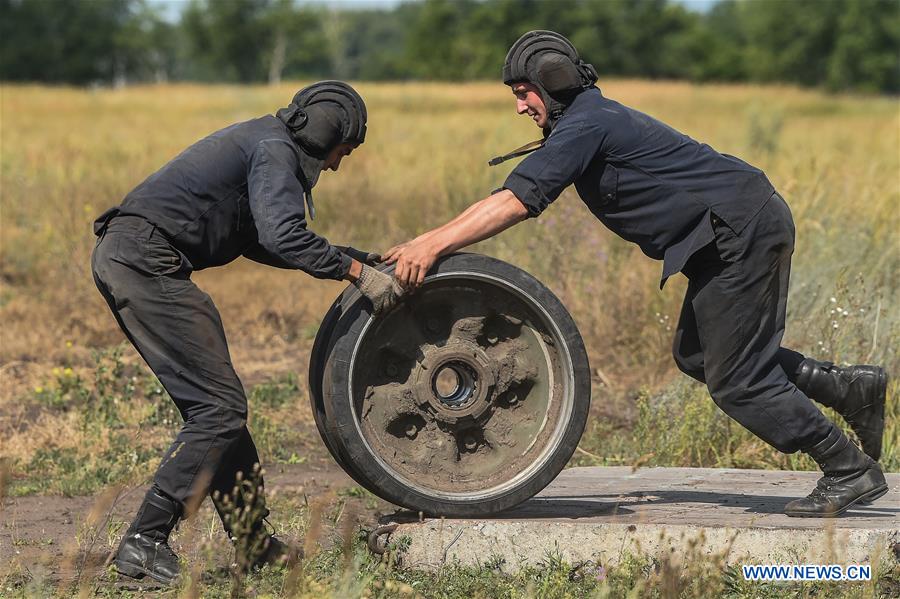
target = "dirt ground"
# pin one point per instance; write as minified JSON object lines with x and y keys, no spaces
{"x":55,"y":538}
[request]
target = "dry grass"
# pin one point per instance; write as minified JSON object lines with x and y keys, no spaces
{"x":67,"y":154}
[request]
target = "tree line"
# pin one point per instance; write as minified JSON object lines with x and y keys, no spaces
{"x":836,"y":44}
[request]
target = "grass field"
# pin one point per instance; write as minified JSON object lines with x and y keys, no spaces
{"x":79,"y":412}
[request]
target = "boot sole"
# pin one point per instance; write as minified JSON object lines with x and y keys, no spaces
{"x":138,"y":572}
{"x":861,"y":500}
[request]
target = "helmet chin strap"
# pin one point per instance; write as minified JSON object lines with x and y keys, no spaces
{"x":526,"y":149}
{"x":311,"y":168}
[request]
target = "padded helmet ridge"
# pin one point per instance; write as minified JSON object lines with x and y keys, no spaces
{"x":549,"y":61}
{"x":337,"y":92}
{"x":324,"y":115}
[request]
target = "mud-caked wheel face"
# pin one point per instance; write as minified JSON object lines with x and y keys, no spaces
{"x":463,"y":391}
{"x":466,"y":399}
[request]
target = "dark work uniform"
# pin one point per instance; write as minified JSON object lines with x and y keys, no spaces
{"x":239,"y":191}
{"x":709,"y":215}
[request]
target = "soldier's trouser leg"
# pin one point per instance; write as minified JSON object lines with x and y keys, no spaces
{"x":731,"y":328}
{"x":689,"y":355}
{"x":237,"y":485}
{"x":178,"y":331}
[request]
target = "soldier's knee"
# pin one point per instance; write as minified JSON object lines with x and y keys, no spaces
{"x":734,"y":399}
{"x":222,"y":422}
{"x":690,"y":365}
{"x":234,"y":421}
{"x":727,"y":397}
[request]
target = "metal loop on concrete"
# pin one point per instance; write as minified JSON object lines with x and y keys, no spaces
{"x":375,"y":542}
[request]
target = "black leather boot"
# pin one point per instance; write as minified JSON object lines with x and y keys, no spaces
{"x":857,"y":393}
{"x":243,"y":513}
{"x":274,"y":552}
{"x":851,"y":477}
{"x":144,"y":550}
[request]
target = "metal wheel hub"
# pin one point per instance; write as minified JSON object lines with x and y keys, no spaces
{"x":455,"y":382}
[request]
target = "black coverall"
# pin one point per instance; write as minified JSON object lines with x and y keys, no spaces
{"x":239,"y":191}
{"x":713,"y":217}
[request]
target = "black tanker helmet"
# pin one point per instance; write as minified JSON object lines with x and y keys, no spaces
{"x":321,"y":117}
{"x":549,"y":61}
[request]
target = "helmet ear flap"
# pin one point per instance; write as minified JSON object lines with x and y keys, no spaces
{"x":293,"y":116}
{"x":556,"y":73}
{"x":588,"y":72}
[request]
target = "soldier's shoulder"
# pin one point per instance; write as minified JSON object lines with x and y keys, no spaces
{"x":258,"y":129}
{"x":264,"y":132}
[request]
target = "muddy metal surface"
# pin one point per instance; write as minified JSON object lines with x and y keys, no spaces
{"x":600,"y":514}
{"x":464,"y":392}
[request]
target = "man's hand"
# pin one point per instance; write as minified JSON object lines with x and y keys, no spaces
{"x":381,"y":289}
{"x":369,"y":258}
{"x":414,"y":259}
{"x":477,"y":222}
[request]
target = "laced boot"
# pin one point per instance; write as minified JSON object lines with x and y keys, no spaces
{"x":857,"y":393}
{"x":272,"y":551}
{"x":850,"y":477}
{"x":245,"y":524}
{"x":144,"y":550}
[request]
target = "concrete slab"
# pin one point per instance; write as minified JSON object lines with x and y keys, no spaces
{"x":602,"y":514}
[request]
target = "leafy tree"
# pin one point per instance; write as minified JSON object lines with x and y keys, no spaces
{"x":840,"y":44}
{"x":374,"y":43}
{"x":866,"y":54}
{"x":73,"y":41}
{"x":307,"y":52}
{"x":227,"y":40}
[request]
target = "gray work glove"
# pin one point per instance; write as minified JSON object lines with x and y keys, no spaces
{"x":381,"y":289}
{"x":369,"y":258}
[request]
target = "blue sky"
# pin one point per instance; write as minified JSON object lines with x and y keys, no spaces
{"x":172,"y":8}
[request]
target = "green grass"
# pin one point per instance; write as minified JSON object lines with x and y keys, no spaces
{"x":349,"y":570}
{"x":119,"y":421}
{"x":122,"y":420}
{"x":82,"y":413}
{"x":681,"y":426}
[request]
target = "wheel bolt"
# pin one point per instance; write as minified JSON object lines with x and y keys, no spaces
{"x":470,"y":443}
{"x":432,"y":324}
{"x":391,"y":370}
{"x":411,"y":431}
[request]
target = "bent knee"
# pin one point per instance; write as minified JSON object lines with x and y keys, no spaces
{"x":221,"y":421}
{"x":691,"y":366}
{"x":234,"y":421}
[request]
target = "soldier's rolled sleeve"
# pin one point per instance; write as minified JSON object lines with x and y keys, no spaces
{"x":543,"y":175}
{"x":277,"y":206}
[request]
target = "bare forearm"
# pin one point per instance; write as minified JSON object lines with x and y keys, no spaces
{"x":437,"y":230}
{"x":478,"y":222}
{"x":354,"y":272}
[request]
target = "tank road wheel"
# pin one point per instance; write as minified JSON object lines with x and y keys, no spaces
{"x":466,"y":399}
{"x":320,"y":351}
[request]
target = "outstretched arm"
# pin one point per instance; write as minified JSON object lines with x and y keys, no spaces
{"x":479,"y":221}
